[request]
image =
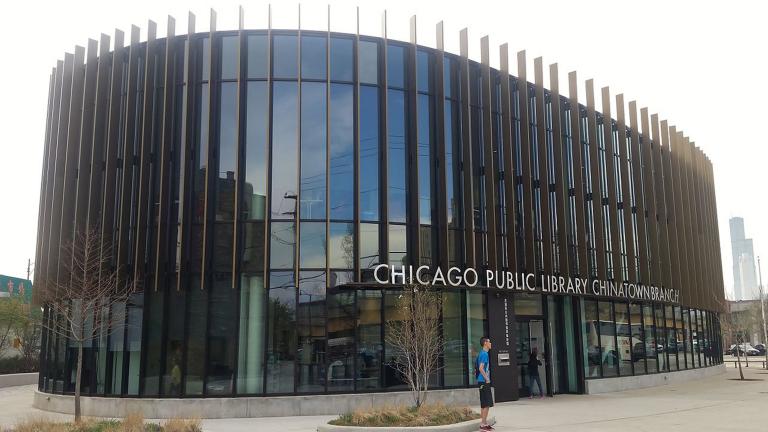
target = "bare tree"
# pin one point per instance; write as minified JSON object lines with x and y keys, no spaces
{"x":80,"y":300}
{"x":416,"y":336}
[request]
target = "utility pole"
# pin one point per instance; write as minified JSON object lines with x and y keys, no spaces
{"x":29,"y":266}
{"x":762,"y":309}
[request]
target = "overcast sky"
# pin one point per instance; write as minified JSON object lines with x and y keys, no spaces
{"x":701,"y":65}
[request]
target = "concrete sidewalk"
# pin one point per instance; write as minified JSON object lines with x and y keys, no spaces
{"x":719,"y":403}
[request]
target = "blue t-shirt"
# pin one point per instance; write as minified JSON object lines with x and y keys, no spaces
{"x":483,"y":359}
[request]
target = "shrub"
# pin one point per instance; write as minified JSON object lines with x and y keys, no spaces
{"x":131,"y":423}
{"x":17,"y":364}
{"x":426,"y":415}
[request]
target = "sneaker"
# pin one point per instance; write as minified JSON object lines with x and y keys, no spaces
{"x":486,"y":428}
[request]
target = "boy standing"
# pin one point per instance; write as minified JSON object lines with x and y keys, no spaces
{"x":483,"y":364}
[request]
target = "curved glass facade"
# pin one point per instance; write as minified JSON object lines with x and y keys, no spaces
{"x":252,"y":180}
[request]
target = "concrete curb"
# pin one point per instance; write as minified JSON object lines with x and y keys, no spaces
{"x":19,"y":379}
{"x":467,"y":426}
{"x":241,"y":407}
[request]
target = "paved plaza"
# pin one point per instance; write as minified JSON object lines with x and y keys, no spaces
{"x":718,"y":403}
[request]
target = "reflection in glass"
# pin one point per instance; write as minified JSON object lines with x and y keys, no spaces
{"x":369,"y":346}
{"x":369,"y":153}
{"x":284,"y":56}
{"x":255,"y":182}
{"x":197,"y":319}
{"x":313,"y":55}
{"x":476,"y":328}
{"x":369,"y":245}
{"x":282,"y":245}
{"x":313,"y":148}
{"x":341,"y":341}
{"x":651,"y":346}
{"x":311,"y":332}
{"x":396,"y":66}
{"x":227,"y":178}
{"x":257,"y":56}
{"x":609,"y":356}
{"x":250,"y":364}
{"x":342,"y":68}
{"x":342,"y":167}
{"x":424,"y":130}
{"x":252,"y":253}
{"x":661,"y":337}
{"x":174,"y":343}
{"x":592,"y":358}
{"x":284,"y":149}
{"x":368,"y":62}
{"x":424,"y":65}
{"x":453,"y":354}
{"x":229,"y":57}
{"x":398,"y":244}
{"x":221,"y":336}
{"x":396,"y":137}
{"x":624,"y":339}
{"x":312,"y":251}
{"x":341,"y":251}
{"x":281,"y":334}
{"x":638,"y":338}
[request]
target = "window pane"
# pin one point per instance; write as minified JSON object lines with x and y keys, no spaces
{"x":252,"y":252}
{"x":396,"y":124}
{"x":528,"y":304}
{"x":369,"y":346}
{"x":476,"y":328}
{"x":257,"y":56}
{"x":398,"y":244}
{"x":226,"y":179}
{"x":311,"y":332}
{"x":608,"y":353}
{"x":341,"y":341}
{"x":197,"y":318}
{"x":671,"y":345}
{"x":223,"y":237}
{"x":313,"y":57}
{"x":424,"y":156}
{"x":312,"y":251}
{"x":229,"y":57}
{"x":284,"y":150}
{"x":282,"y":247}
{"x":369,"y":153}
{"x":255,"y":186}
{"x":175,"y":346}
{"x":623,"y":335}
{"x":591,"y":339}
{"x":453,"y":372}
{"x":638,"y":338}
{"x":395,"y":66}
{"x":369,"y":245}
{"x":250,"y":365}
{"x":284,"y":57}
{"x":342,"y":135}
{"x":342,"y":68}
{"x":341,"y":246}
{"x":281,"y":343}
{"x":661,"y":338}
{"x":313,"y":148}
{"x":650,"y":339}
{"x":368,"y":62}
{"x":221,"y":336}
{"x":424,"y":63}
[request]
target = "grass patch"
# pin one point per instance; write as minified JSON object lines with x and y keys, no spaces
{"x":132,"y":423}
{"x":427,"y":415}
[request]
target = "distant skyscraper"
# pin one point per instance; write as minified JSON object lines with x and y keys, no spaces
{"x":744,"y":279}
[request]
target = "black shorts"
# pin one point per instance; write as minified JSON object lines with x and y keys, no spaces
{"x":486,"y":397}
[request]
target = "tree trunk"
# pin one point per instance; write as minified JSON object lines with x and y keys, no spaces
{"x":78,"y":379}
{"x":738,"y":360}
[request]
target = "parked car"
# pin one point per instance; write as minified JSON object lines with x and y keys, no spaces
{"x":760,"y":348}
{"x":745,"y":348}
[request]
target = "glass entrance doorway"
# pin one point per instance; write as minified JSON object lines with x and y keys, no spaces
{"x":530,"y":335}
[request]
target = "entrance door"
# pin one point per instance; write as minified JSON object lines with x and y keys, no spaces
{"x":530,"y":334}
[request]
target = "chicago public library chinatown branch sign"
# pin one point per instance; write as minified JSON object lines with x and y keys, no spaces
{"x":385,"y":274}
